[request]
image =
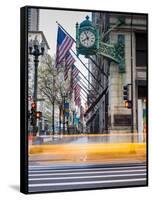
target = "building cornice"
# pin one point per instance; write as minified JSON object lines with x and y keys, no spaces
{"x":43,"y":36}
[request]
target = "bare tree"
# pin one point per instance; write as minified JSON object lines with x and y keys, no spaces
{"x":52,"y":86}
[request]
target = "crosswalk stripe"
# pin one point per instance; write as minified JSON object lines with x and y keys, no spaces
{"x":85,"y":182}
{"x":84,"y":177}
{"x":91,"y":169}
{"x":98,"y":172}
{"x":50,"y":166}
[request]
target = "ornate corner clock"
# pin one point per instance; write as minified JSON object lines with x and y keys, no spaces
{"x":88,"y":43}
{"x":87,"y":38}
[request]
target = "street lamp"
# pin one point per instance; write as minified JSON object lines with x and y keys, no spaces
{"x":73,"y":113}
{"x":36,"y":49}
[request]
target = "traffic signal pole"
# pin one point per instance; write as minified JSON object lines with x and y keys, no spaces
{"x":33,"y":117}
{"x":36,"y":61}
{"x":132,"y":87}
{"x":36,"y":49}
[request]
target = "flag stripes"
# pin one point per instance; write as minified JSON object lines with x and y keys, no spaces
{"x":77,"y":95}
{"x":64,"y":43}
{"x":69,"y":61}
{"x":74,"y":84}
{"x":78,"y":101}
{"x":75,"y":73}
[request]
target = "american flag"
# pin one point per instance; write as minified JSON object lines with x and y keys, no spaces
{"x":78,"y":101}
{"x":75,"y":73}
{"x":74,"y":83}
{"x":64,"y":43}
{"x":77,"y":91}
{"x":69,"y":60}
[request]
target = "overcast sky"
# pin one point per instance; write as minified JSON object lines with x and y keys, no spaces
{"x":67,"y":19}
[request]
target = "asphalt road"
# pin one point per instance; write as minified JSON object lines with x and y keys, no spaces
{"x":46,"y":178}
{"x":84,"y":138}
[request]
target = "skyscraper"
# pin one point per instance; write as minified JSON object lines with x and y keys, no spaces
{"x":33,"y":19}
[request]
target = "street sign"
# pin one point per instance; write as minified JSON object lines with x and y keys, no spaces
{"x":66,"y":109}
{"x":66,"y":105}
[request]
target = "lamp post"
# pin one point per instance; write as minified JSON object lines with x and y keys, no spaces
{"x":36,"y":49}
{"x":73,"y":112}
{"x":64,"y":113}
{"x":64,"y":97}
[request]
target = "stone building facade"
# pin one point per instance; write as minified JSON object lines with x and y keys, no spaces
{"x":109,"y":115}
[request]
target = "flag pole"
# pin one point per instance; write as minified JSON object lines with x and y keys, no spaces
{"x":83,"y":89}
{"x":87,"y":68}
{"x":83,"y":93}
{"x":88,"y":82}
{"x":82,"y":85}
{"x":88,"y":56}
{"x":104,"y":91}
{"x":83,"y":96}
{"x":65,"y":31}
{"x":78,"y":57}
{"x":96,"y":101}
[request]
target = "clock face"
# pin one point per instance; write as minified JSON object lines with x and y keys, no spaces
{"x":87,"y":38}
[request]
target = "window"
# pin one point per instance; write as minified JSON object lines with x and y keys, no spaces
{"x":141,"y":49}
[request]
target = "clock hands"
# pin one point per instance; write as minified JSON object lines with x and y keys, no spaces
{"x":86,"y":35}
{"x":87,"y":38}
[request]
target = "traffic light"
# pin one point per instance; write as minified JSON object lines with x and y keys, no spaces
{"x":33,"y":105}
{"x":128,"y":104}
{"x":38,"y":115}
{"x":125,"y":93}
{"x":126,"y":96}
{"x":33,"y":112}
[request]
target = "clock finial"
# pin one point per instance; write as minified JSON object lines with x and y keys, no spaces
{"x":87,"y":17}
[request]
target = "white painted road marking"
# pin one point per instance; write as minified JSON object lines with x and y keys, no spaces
{"x":85,"y":182}
{"x":83,"y":177}
{"x":47,"y":179}
{"x":98,"y":172}
{"x":92,"y":169}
